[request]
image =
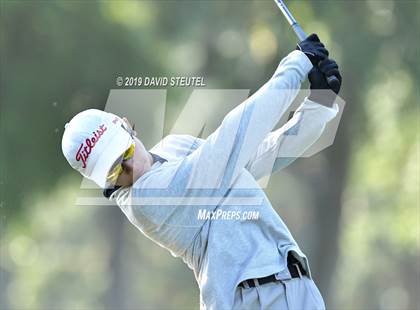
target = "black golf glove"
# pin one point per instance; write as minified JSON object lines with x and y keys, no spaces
{"x":318,"y":80}
{"x":313,"y":49}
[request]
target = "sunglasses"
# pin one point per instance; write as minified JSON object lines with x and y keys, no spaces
{"x":118,"y":169}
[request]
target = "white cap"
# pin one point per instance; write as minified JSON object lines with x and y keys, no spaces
{"x":92,"y":141}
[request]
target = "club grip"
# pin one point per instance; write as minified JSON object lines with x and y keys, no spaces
{"x":333,"y":82}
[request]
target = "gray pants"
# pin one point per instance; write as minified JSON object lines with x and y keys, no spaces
{"x":296,"y":294}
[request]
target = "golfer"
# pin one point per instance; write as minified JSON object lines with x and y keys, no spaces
{"x":193,"y":196}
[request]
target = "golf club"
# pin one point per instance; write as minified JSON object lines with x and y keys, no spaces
{"x":332,"y":80}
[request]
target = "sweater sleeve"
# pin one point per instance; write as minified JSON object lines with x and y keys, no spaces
{"x":283,"y":146}
{"x":219,"y":160}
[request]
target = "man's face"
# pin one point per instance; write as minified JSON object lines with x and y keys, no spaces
{"x":134,"y":167}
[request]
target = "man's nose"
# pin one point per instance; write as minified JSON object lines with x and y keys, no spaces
{"x":128,"y":165}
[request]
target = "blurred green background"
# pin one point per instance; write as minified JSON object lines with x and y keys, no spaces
{"x":354,"y":208}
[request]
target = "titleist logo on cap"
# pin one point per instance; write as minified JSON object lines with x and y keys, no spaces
{"x":84,"y":150}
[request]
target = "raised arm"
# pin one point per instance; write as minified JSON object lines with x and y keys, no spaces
{"x":282,"y":147}
{"x":225,"y":153}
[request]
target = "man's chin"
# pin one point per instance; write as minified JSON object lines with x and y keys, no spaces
{"x":138,"y":174}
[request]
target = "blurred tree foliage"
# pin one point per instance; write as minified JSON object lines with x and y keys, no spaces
{"x":360,"y":224}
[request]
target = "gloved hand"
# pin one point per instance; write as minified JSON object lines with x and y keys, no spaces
{"x":318,"y":80}
{"x":313,"y":49}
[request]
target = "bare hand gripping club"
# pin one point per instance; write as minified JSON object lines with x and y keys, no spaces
{"x":332,"y":80}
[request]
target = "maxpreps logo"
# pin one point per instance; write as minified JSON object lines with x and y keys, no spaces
{"x":219,"y":214}
{"x":86,"y":148}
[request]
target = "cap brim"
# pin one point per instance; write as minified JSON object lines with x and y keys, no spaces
{"x":115,"y":148}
